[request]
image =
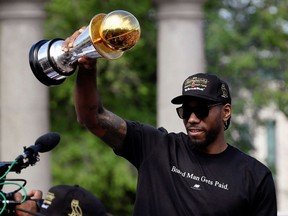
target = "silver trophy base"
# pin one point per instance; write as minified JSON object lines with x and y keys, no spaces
{"x":43,"y":65}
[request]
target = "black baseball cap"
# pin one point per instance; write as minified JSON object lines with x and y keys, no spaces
{"x":204,"y":86}
{"x":64,"y":200}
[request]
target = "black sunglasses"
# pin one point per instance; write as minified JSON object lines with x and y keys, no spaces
{"x":202,"y":111}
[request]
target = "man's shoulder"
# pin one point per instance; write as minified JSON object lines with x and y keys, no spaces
{"x":247,"y":160}
{"x":135,"y":125}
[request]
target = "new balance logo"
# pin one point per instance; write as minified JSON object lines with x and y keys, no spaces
{"x":196,"y":187}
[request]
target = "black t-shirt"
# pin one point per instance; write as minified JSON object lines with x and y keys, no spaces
{"x":175,"y":179}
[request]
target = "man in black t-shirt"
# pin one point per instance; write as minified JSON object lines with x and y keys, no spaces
{"x":193,"y":173}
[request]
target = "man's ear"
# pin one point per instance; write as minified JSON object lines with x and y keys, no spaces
{"x":227,"y":111}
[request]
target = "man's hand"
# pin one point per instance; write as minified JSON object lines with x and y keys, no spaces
{"x":83,"y":62}
{"x":29,"y":205}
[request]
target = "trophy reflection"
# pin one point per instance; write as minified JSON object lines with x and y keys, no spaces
{"x":107,"y":36}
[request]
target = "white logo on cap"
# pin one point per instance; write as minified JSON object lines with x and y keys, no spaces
{"x":195,"y":83}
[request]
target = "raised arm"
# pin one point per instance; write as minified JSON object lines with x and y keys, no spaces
{"x":89,"y":109}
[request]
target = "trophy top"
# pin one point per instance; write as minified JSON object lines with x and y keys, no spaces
{"x":120,"y":30}
{"x":114,"y":33}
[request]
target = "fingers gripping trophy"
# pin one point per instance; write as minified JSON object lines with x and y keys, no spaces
{"x":107,"y":36}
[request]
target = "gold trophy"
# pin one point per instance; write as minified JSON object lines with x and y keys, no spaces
{"x":107,"y":36}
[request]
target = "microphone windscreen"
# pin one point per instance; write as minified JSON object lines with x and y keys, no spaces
{"x":47,"y":141}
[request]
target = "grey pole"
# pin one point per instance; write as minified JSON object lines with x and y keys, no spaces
{"x":23,"y":100}
{"x":180,"y":54}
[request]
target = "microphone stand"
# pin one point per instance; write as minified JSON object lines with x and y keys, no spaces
{"x":14,"y":166}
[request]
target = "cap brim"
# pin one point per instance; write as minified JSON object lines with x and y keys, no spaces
{"x":178,"y":100}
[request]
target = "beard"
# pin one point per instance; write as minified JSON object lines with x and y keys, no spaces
{"x":211,"y":136}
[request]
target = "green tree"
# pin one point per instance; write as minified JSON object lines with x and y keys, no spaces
{"x":246,"y":44}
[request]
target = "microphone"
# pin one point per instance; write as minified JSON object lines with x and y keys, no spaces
{"x":47,"y":142}
{"x":43,"y":144}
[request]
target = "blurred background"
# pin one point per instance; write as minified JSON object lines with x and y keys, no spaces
{"x":243,"y":41}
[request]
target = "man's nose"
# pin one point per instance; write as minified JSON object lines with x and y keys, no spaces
{"x":193,"y":118}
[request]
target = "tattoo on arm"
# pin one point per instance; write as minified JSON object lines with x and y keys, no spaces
{"x":114,"y":130}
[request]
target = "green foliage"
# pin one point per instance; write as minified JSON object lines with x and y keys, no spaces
{"x":249,"y":50}
{"x":85,"y":161}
